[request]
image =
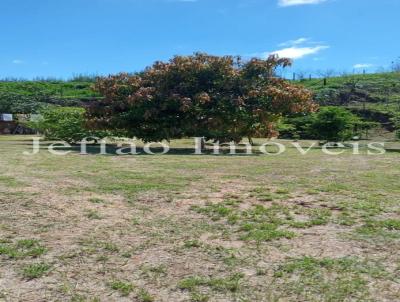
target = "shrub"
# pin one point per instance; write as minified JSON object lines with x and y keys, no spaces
{"x":334,"y":124}
{"x":63,"y":123}
{"x":297,"y":127}
{"x":16,"y":103}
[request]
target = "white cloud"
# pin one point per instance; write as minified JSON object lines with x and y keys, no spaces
{"x":295,"y":42}
{"x":295,"y":52}
{"x":295,"y":49}
{"x":16,"y":61}
{"x":365,"y":65}
{"x":286,"y":3}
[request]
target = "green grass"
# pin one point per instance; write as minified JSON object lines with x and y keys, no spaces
{"x":92,"y":214}
{"x":264,"y":232}
{"x":261,"y":223}
{"x":230,"y":283}
{"x":328,"y":279}
{"x":380,"y":229}
{"x":22,"y":249}
{"x":123,"y":287}
{"x":145,"y":296}
{"x":9,"y":181}
{"x":96,"y":200}
{"x":37,"y":270}
{"x":192,"y":243}
{"x":154,"y":272}
{"x":199,"y":297}
{"x":382,"y":80}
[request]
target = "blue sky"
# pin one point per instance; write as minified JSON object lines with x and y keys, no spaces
{"x":64,"y":37}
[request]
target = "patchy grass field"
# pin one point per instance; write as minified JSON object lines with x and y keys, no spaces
{"x":181,"y":227}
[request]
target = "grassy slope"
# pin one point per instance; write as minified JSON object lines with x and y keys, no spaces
{"x":385,"y":86}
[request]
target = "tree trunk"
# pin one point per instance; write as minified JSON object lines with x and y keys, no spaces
{"x":251,"y":141}
{"x":203,"y":145}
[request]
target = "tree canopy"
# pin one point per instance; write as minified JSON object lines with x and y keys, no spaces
{"x":219,"y":98}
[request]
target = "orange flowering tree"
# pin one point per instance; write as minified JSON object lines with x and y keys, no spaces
{"x":219,"y":98}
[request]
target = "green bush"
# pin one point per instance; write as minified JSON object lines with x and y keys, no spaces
{"x":63,"y":123}
{"x":15,"y":103}
{"x":334,"y":124}
{"x":296,"y":127}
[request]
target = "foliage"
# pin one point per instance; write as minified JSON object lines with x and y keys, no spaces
{"x":14,"y":103}
{"x":298,"y":127}
{"x":376,"y":96}
{"x":28,"y":97}
{"x":330,"y":123}
{"x":334,"y":124}
{"x":62,"y":123}
{"x":220,"y":98}
{"x":53,"y":88}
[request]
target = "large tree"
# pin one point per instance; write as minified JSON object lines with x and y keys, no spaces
{"x":220,"y":98}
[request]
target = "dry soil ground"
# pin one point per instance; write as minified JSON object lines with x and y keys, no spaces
{"x":180,"y":227}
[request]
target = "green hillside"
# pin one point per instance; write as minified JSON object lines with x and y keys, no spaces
{"x":56,"y":89}
{"x":30,"y":96}
{"x":380,"y":91}
{"x":373,"y":96}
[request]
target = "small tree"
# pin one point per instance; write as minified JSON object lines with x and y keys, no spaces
{"x":334,"y":124}
{"x":365,"y":127}
{"x":62,"y":123}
